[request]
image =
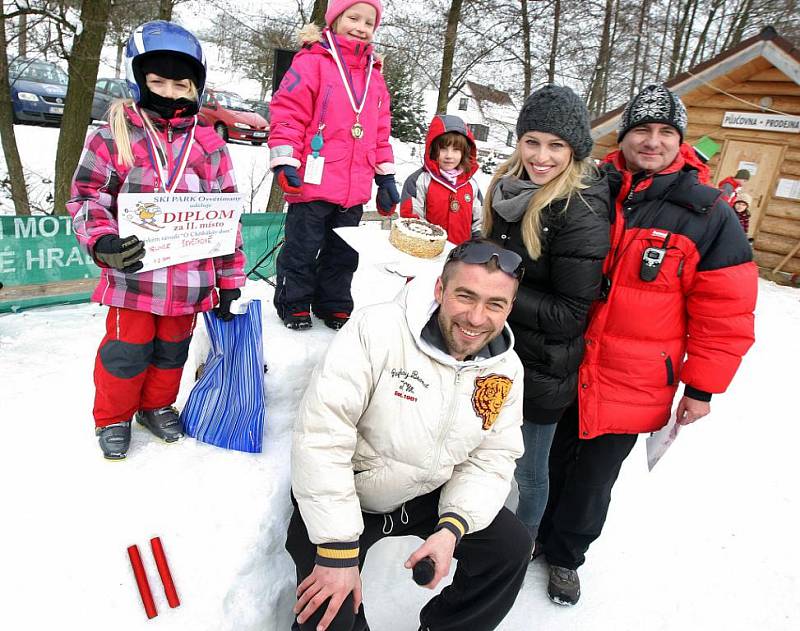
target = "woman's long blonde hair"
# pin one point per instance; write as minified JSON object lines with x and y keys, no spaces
{"x":572,"y":180}
{"x":120,"y":126}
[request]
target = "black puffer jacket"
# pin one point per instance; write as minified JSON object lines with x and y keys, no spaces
{"x":550,"y":312}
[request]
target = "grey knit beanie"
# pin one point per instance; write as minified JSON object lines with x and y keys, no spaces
{"x":556,"y":109}
{"x":654,"y":104}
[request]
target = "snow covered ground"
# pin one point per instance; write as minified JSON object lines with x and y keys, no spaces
{"x":704,"y":542}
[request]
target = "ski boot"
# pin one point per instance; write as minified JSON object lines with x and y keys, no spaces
{"x":114,"y":440}
{"x":564,"y":586}
{"x":165,"y":423}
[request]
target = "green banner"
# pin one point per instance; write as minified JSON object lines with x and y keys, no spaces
{"x":41,"y":262}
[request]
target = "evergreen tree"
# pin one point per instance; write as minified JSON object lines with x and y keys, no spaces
{"x":489,"y":164}
{"x":408,"y":111}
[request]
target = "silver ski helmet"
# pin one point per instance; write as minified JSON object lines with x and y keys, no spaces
{"x":160,"y":36}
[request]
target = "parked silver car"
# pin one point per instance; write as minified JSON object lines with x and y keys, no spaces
{"x":106,"y":91}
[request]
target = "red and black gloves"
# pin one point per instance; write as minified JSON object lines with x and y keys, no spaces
{"x":387,"y":197}
{"x":123,"y":254}
{"x":288,"y":179}
{"x":226,"y":297}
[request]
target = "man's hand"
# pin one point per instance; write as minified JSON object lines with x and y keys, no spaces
{"x":689,"y":410}
{"x":323,"y":583}
{"x":439,"y":547}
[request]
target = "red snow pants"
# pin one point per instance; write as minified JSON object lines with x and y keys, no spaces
{"x":139,"y":363}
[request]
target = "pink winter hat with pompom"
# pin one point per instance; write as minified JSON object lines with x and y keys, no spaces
{"x":337,"y":7}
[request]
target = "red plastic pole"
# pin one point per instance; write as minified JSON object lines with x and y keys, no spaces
{"x":163,"y":571}
{"x":141,"y":581}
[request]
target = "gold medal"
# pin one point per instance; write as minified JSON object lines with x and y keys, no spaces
{"x":357,"y":130}
{"x":454,"y":205}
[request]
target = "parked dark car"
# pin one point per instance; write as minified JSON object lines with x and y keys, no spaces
{"x":232,"y":118}
{"x":106,"y":91}
{"x":38,"y":91}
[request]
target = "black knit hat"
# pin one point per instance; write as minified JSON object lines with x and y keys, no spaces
{"x":654,"y":104}
{"x":556,"y":109}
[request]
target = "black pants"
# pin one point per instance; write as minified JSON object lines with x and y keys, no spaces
{"x":491,"y":567}
{"x":315,"y":266}
{"x":582,"y":474}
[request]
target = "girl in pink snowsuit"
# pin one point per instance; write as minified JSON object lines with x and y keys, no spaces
{"x":329,"y":138}
{"x":153,"y":143}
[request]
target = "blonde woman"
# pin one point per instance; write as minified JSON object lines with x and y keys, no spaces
{"x":152,"y":144}
{"x":549,"y":204}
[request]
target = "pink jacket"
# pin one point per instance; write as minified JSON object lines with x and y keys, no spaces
{"x":100,"y":177}
{"x":312,"y":94}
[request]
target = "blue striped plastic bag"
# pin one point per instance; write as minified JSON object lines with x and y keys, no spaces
{"x":226,"y":407}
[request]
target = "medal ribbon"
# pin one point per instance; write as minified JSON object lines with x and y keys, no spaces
{"x":347,"y":78}
{"x":160,"y":163}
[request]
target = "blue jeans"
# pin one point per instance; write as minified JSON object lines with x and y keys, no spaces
{"x":532,"y":474}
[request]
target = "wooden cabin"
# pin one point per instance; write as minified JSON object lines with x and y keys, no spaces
{"x":747,"y":100}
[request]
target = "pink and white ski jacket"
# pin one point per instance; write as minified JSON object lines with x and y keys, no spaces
{"x":100,"y":177}
{"x":311,"y":95}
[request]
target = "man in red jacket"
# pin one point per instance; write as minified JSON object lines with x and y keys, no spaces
{"x":678,"y":307}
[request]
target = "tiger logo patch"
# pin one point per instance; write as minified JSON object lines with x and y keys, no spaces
{"x":488,"y":397}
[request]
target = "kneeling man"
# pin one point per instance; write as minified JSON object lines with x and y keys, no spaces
{"x":411,"y":426}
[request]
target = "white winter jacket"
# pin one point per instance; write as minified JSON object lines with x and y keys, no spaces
{"x":388,"y":417}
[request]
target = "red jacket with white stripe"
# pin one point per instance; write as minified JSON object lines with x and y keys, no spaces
{"x":692,"y":323}
{"x":428,"y":195}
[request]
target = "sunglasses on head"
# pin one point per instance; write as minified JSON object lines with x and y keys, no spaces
{"x":479,"y":252}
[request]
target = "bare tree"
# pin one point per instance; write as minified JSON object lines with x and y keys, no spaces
{"x":318,"y":13}
{"x":83,"y":62}
{"x":597,"y":91}
{"x":16,"y":175}
{"x":448,"y":51}
{"x":22,"y":40}
{"x":551,"y":67}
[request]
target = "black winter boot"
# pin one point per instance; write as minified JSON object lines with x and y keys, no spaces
{"x":334,"y":320}
{"x":165,"y":423}
{"x":298,"y":321}
{"x":564,"y":587}
{"x":114,"y":440}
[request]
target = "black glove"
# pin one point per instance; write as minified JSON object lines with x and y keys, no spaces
{"x":123,"y":254}
{"x":226,"y":297}
{"x":387,"y":197}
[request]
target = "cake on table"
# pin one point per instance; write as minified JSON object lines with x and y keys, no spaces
{"x":417,"y":237}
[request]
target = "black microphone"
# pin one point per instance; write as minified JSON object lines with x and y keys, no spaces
{"x":423,"y":571}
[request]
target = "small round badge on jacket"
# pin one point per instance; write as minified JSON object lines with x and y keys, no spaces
{"x":467,"y":198}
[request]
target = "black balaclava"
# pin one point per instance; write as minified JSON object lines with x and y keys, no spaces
{"x":169,"y":65}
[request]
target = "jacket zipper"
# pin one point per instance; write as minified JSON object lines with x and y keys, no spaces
{"x":441,"y":439}
{"x":325,"y":100}
{"x":168,"y":295}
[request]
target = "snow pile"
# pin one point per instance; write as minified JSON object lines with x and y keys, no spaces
{"x":704,"y":542}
